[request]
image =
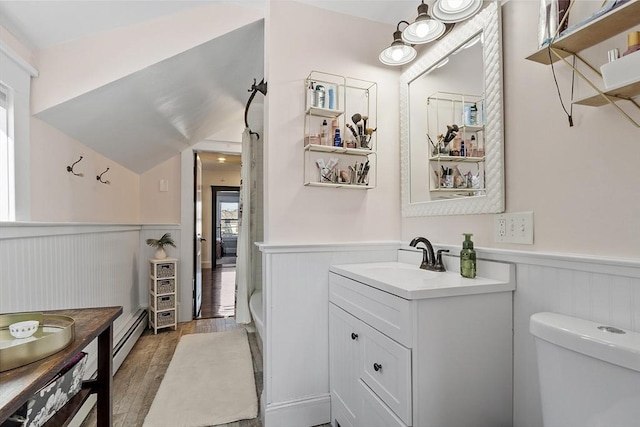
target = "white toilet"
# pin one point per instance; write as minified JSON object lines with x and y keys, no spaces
{"x":589,"y":372}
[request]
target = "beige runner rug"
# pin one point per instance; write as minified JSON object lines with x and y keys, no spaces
{"x":209,"y":381}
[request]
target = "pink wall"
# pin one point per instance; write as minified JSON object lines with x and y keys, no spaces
{"x":580,"y":182}
{"x":161,"y":207}
{"x":59,"y":196}
{"x":300,"y":39}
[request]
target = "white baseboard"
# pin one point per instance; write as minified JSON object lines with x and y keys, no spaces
{"x":306,"y":412}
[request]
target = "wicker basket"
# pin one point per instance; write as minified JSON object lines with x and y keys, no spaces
{"x":166,"y":318}
{"x":165,"y":270}
{"x":165,"y":302}
{"x":165,"y":286}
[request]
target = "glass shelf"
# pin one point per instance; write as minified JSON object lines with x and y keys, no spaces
{"x":459,"y":159}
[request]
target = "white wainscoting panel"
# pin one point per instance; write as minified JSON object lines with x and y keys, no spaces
{"x":296,"y":322}
{"x":296,"y":342}
{"x":59,"y":266}
{"x":605,"y":298}
{"x":598,"y":289}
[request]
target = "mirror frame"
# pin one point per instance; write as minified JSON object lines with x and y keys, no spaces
{"x":489,"y":22}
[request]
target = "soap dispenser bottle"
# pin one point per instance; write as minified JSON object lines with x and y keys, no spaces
{"x":467,"y":257}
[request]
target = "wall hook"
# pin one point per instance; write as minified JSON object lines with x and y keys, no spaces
{"x":70,"y":168}
{"x":99,"y":177}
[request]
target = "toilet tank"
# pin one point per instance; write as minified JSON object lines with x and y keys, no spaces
{"x":589,"y":372}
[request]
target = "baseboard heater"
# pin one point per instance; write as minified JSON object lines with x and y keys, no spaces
{"x":121,"y":350}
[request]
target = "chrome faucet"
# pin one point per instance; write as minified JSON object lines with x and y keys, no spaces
{"x":429,"y":261}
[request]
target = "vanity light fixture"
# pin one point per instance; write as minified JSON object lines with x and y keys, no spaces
{"x":399,"y":52}
{"x":452,"y":11}
{"x":425,"y":29}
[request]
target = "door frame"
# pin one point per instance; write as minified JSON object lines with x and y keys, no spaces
{"x":214,"y":217}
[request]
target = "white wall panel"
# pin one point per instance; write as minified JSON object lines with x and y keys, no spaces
{"x":82,"y":266}
{"x":296,"y":324}
{"x":296,"y":301}
{"x":608,"y":298}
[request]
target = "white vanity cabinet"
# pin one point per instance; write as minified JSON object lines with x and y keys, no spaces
{"x":440,"y":360}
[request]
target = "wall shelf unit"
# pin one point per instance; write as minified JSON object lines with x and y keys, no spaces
{"x":337,"y":105}
{"x":609,"y":24}
{"x":463,"y":156}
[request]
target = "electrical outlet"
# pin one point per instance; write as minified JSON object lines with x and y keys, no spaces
{"x":513,"y":228}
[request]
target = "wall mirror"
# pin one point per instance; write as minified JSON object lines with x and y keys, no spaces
{"x":451,"y":123}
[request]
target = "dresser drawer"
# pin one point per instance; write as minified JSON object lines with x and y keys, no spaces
{"x":386,"y":369}
{"x":387,"y":313}
{"x":374,"y":412}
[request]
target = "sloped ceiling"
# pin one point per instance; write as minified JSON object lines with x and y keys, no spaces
{"x":146,"y":118}
{"x":151,"y":115}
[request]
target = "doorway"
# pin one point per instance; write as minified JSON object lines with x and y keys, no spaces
{"x":218,"y":205}
{"x":225,"y":209}
{"x":219,"y":281}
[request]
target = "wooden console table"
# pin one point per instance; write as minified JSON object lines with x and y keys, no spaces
{"x":19,"y":384}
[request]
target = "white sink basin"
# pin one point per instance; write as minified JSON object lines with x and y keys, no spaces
{"x":410,"y":282}
{"x":390,"y":273}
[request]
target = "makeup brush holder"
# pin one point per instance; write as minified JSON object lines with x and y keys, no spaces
{"x":364,"y":141}
{"x":327,"y":175}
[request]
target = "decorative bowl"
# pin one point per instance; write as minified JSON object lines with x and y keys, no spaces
{"x":23,"y":329}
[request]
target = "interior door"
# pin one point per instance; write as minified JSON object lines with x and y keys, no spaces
{"x":198,"y":239}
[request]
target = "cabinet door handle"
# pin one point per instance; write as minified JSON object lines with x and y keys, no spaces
{"x":377,"y":367}
{"x":354,"y":336}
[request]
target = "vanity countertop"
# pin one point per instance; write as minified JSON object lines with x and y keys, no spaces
{"x":408,"y":281}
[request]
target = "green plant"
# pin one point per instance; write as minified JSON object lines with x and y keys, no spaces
{"x":165,"y":240}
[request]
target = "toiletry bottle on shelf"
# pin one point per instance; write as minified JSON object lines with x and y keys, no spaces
{"x":324,"y":136}
{"x":332,"y":99}
{"x":633,"y":42}
{"x":462,"y":150}
{"x":467,"y":257}
{"x":310,"y":95}
{"x":319,"y":96}
{"x":334,"y":125}
{"x":474,"y":115}
{"x":337,"y":141}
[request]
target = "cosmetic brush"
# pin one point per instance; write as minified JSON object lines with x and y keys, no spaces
{"x":364,"y":122}
{"x":352,"y":129}
{"x":356,"y":118}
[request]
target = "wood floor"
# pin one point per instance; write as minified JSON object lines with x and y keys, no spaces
{"x":218,"y":292}
{"x":138,"y":379}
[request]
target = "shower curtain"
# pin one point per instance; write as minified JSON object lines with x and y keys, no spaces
{"x":247,"y":228}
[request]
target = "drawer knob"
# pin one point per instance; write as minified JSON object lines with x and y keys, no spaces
{"x":354,"y":336}
{"x":377,"y":367}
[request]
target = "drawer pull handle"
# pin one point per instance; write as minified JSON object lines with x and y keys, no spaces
{"x":377,"y":367}
{"x":354,"y":336}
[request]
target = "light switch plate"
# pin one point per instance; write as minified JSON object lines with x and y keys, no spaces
{"x":514,"y":227}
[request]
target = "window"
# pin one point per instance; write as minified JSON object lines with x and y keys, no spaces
{"x":7,"y":161}
{"x":229,"y":219}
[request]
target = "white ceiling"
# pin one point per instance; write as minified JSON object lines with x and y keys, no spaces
{"x":149,"y":116}
{"x":45,"y":23}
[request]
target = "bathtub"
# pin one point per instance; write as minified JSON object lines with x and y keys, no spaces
{"x":255,"y":306}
